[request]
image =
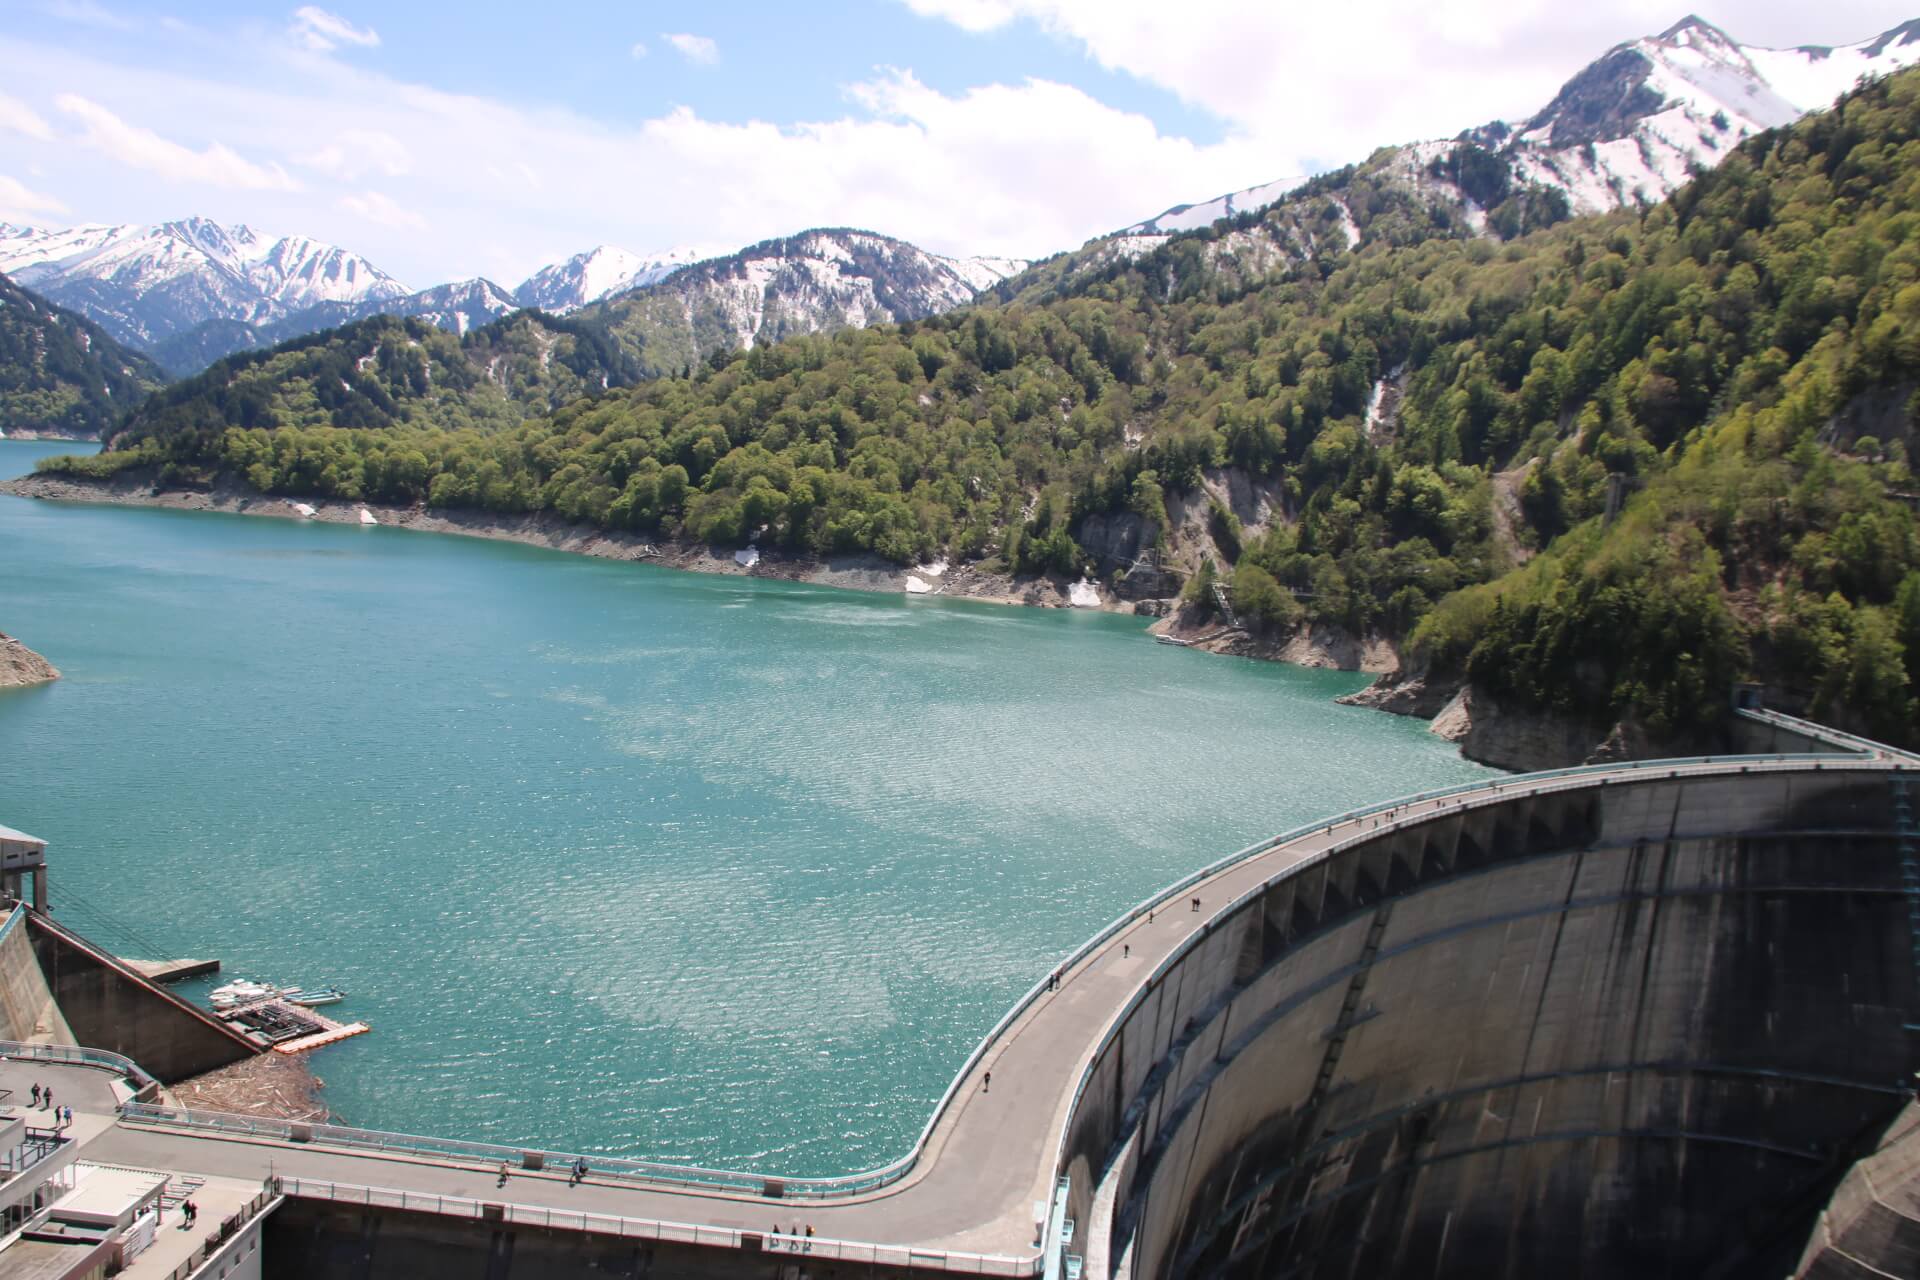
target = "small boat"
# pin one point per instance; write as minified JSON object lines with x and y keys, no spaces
{"x":240,"y":992}
{"x":311,"y":999}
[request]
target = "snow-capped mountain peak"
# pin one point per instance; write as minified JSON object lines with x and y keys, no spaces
{"x":601,"y":272}
{"x":1630,"y":128}
{"x":1633,"y":126}
{"x":145,"y":283}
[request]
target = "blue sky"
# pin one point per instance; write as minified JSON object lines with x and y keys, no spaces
{"x":451,"y":140}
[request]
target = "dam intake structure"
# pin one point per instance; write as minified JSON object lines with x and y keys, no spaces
{"x":1637,"y":1019}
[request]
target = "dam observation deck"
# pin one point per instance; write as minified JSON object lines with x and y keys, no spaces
{"x":1667,"y":1002}
{"x":23,"y":868}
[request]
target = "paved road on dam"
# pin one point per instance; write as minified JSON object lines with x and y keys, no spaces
{"x":989,"y":1157}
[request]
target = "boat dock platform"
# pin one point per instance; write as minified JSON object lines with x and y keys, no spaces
{"x":278,"y":1024}
{"x":336,"y":1031}
{"x":171,"y":970}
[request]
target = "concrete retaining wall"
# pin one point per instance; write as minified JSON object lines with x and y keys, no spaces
{"x":327,"y":1240}
{"x":1640,"y":1028}
{"x":27,"y":1008}
{"x":108,"y":1006}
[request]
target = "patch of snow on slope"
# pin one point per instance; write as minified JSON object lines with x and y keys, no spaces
{"x":983,"y":273}
{"x":1191,"y":217}
{"x":1811,"y":81}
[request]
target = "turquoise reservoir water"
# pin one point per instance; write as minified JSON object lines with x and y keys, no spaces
{"x":616,"y":858}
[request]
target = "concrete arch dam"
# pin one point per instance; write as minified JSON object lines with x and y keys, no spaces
{"x":1612,"y":1021}
{"x":1640,"y":1026}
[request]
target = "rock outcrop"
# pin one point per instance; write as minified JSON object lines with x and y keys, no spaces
{"x":1404,"y":693}
{"x":1505,"y":737}
{"x":20,"y":665}
{"x":1509,"y":739}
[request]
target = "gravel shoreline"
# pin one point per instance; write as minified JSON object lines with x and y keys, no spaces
{"x":857,"y":572}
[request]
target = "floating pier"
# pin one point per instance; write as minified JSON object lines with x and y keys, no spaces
{"x":171,"y":970}
{"x":336,"y":1032}
{"x":279,"y":1024}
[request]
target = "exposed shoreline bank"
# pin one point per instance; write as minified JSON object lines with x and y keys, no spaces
{"x":853,"y":572}
{"x":1482,"y":731}
{"x":21,"y":666}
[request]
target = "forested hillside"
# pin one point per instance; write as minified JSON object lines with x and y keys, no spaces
{"x":1735,"y":367}
{"x":59,"y":372}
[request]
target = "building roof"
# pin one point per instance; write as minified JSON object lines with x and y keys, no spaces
{"x":8,"y":833}
{"x":44,"y":1260}
{"x":108,"y":1195}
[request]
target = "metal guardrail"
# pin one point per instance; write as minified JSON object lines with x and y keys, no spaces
{"x":268,"y":1200}
{"x":644,"y":1172}
{"x":73,"y":1055}
{"x":12,"y":922}
{"x":812,"y":1248}
{"x":408,"y":1144}
{"x":1822,"y":733}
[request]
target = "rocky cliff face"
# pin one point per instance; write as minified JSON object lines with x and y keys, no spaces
{"x":20,"y":665}
{"x":1506,"y":737}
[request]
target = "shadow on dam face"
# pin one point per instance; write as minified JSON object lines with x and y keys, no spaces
{"x":1640,"y":1029}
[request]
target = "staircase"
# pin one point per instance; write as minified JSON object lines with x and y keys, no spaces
{"x":1226,"y":605}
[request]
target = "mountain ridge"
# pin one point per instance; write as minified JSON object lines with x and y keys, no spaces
{"x":192,"y":290}
{"x":61,"y":374}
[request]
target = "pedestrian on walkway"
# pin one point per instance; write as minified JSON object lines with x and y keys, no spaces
{"x":36,"y":1093}
{"x":986,"y":1083}
{"x":503,"y":1174}
{"x":579,"y":1170}
{"x":46,"y":1095}
{"x":1126,"y":950}
{"x":1196,"y":904}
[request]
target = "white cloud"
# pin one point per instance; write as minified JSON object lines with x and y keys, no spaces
{"x":639,"y":49}
{"x":18,"y":117}
{"x":322,"y":31}
{"x":87,"y":13}
{"x":217,"y":166}
{"x":1021,"y":168}
{"x":699,"y":50}
{"x":18,"y":203}
{"x":360,"y":151}
{"x":1328,"y":83}
{"x":377,"y":208}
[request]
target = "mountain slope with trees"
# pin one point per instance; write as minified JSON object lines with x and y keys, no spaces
{"x":60,"y":374}
{"x":1730,"y":373}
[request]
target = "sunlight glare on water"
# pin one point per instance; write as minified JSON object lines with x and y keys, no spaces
{"x":715,"y":870}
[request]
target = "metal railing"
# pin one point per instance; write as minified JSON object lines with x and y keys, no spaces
{"x":1822,"y":733}
{"x":229,"y":1230}
{"x":811,"y":1247}
{"x":646,"y":1172}
{"x":73,"y":1055}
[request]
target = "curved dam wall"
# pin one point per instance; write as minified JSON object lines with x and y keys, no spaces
{"x":1635,"y":1028}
